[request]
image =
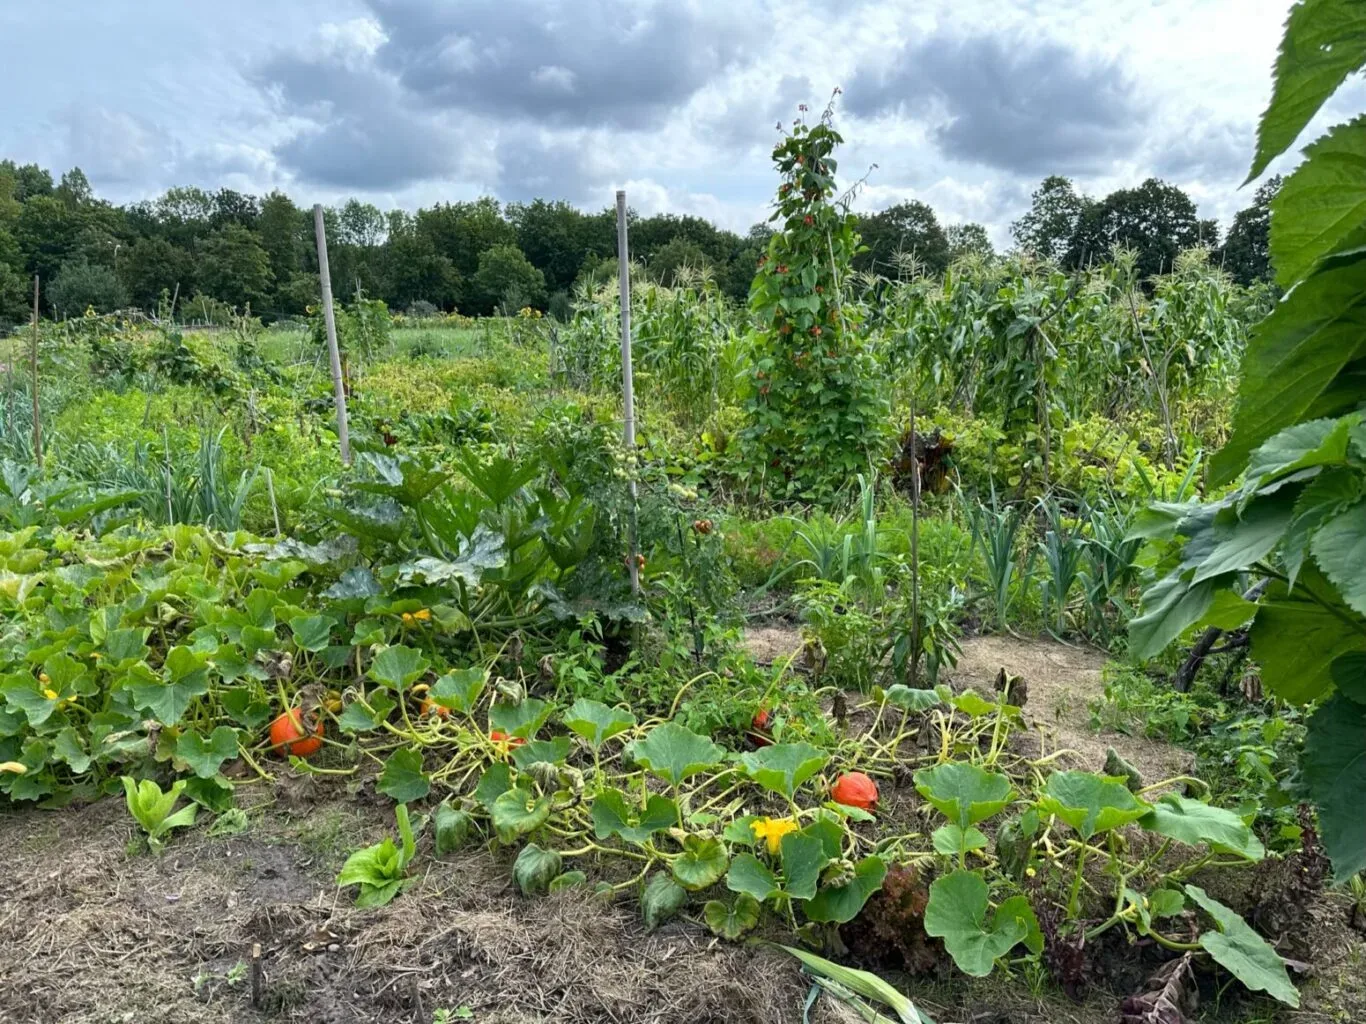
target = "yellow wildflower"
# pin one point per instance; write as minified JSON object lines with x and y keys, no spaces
{"x":423,"y":615}
{"x":772,"y":831}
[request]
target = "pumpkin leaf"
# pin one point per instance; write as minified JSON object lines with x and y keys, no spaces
{"x":1091,"y":803}
{"x":596,"y":722}
{"x":962,"y":792}
{"x":1194,"y":822}
{"x":782,"y":767}
{"x":674,"y":753}
{"x":731,"y":920}
{"x":403,"y":778}
{"x":703,"y":863}
{"x":957,"y":913}
{"x":1242,"y":952}
{"x":840,"y":904}
{"x":662,"y":899}
{"x":615,"y":815}
{"x":535,"y":868}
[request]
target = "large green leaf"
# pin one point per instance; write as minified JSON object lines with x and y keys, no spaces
{"x":459,"y":690}
{"x":1194,"y":822}
{"x":518,"y":812}
{"x":1349,"y":676}
{"x":674,"y":753}
{"x":841,"y":903}
{"x":1296,"y":639}
{"x":1320,"y":442}
{"x":1340,"y":549}
{"x":782,"y":767}
{"x":403,"y":778}
{"x":1293,"y":356}
{"x":206,"y":756}
{"x":1091,"y":803}
{"x":496,"y":780}
{"x":703,"y":863}
{"x":1242,"y":952}
{"x":552,"y":751}
{"x":1325,"y":41}
{"x":748,"y":874}
{"x":1333,"y":766}
{"x":522,"y":720}
{"x":184,"y":677}
{"x":311,"y":632}
{"x":1246,"y":539}
{"x":596,"y":722}
{"x":1170,"y":607}
{"x":615,"y":815}
{"x":1323,"y":498}
{"x":803,"y":858}
{"x":957,"y":913}
{"x":397,"y":667}
{"x":1321,"y":208}
{"x":962,"y":792}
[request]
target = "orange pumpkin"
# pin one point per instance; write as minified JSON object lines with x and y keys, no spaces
{"x":854,"y":789}
{"x":289,"y":736}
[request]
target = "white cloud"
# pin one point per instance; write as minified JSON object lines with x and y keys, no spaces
{"x":404,"y":101}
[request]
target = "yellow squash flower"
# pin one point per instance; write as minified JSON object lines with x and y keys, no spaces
{"x":50,"y":694}
{"x":13,"y":766}
{"x":772,"y":830}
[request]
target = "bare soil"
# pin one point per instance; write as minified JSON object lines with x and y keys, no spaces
{"x":1062,"y":681}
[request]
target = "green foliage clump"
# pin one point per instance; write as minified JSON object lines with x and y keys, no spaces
{"x":817,"y":416}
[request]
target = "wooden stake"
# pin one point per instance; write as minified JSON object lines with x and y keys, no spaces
{"x":333,"y":355}
{"x":628,"y":393}
{"x":33,"y":370}
{"x":256,"y":980}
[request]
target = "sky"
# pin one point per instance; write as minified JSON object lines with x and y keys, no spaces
{"x":963,"y":104}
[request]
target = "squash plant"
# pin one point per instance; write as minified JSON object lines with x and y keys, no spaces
{"x":1298,"y":518}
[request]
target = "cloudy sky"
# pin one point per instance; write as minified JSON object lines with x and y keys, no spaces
{"x":964,"y":104}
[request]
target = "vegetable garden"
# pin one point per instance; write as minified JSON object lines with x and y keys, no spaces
{"x":400,"y":740}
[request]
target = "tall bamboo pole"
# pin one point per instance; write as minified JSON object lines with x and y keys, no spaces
{"x":33,"y":372}
{"x":628,"y":393}
{"x":333,"y":354}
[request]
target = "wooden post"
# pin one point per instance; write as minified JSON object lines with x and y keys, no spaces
{"x":33,"y":370}
{"x":333,"y":355}
{"x":628,"y":393}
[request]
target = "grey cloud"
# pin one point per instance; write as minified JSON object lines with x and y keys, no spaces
{"x":589,"y":63}
{"x":115,"y":147}
{"x":533,"y":165}
{"x":1211,"y":151}
{"x":1019,"y":105}
{"x":361,"y":132}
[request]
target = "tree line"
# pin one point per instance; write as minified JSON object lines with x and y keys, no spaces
{"x":230,"y":248}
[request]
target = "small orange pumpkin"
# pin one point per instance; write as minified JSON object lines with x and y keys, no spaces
{"x":289,"y":734}
{"x":854,"y":789}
